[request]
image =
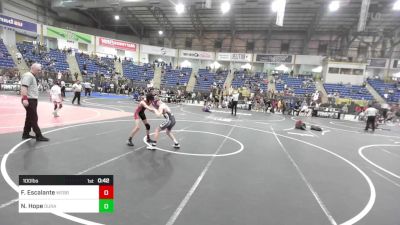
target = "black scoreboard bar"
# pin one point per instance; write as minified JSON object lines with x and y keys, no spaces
{"x":66,"y":179}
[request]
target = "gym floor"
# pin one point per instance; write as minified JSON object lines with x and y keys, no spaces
{"x":251,"y":169}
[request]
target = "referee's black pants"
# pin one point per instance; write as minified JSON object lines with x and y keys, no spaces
{"x":63,"y":92}
{"x":234,"y":106}
{"x":370,"y":121}
{"x":31,"y":119}
{"x":87,"y":91}
{"x":77,"y":95}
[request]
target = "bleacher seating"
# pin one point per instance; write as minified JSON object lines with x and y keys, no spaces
{"x":108,"y":64}
{"x":238,"y":80}
{"x":393,"y":94}
{"x":5,"y":57}
{"x":259,"y":79}
{"x":256,"y":80}
{"x":31,"y":56}
{"x":139,"y":74}
{"x":55,"y":60}
{"x":101,"y":65}
{"x":173,"y":77}
{"x":345,"y":91}
{"x":206,"y":79}
{"x":60,"y":59}
{"x":299,"y":85}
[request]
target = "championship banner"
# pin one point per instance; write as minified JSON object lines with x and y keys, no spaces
{"x":106,"y":42}
{"x":16,"y":23}
{"x":268,"y":58}
{"x":69,"y":35}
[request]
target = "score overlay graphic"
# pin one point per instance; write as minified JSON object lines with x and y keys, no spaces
{"x":66,"y":193}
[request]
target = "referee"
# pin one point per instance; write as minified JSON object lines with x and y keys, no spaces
{"x":235,"y":99}
{"x":30,"y":94}
{"x":77,"y":88}
{"x":371,"y":114}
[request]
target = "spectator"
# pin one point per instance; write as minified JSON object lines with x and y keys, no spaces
{"x":19,"y":57}
{"x":59,"y":75}
{"x":345,"y":109}
{"x":112,"y":87}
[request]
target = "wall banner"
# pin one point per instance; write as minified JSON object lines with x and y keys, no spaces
{"x":197,"y":55}
{"x":69,"y":35}
{"x":123,"y":45}
{"x":268,"y":58}
{"x":16,"y":23}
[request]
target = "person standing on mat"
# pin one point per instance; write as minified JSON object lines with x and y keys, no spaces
{"x":371,"y":113}
{"x":168,"y":124}
{"x":56,"y":98}
{"x":63,"y":89}
{"x":140,"y":115}
{"x":88,"y":88}
{"x":235,"y":99}
{"x":30,"y":95}
{"x":77,"y":88}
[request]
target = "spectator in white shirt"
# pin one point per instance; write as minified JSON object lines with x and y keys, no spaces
{"x":59,"y":75}
{"x":112,"y":88}
{"x":19,"y":57}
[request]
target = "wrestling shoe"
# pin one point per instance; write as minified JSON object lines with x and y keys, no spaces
{"x":150,"y":141}
{"x":129,"y":143}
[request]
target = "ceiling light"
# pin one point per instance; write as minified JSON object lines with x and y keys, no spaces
{"x":160,"y":32}
{"x":116,"y":17}
{"x":225,"y":7}
{"x":180,"y":8}
{"x":275,"y":6}
{"x":334,"y":6}
{"x":396,"y":5}
{"x":278,"y":5}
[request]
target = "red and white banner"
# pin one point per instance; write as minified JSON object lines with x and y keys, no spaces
{"x":117,"y":44}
